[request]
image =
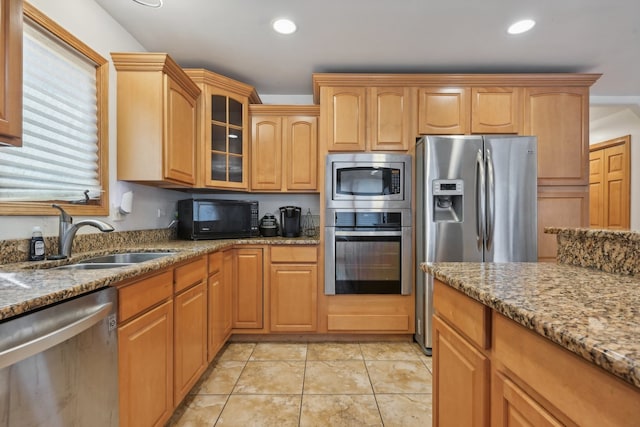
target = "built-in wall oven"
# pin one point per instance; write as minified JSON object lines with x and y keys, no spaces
{"x":368,"y":233}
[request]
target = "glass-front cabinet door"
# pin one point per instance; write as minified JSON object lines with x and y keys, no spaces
{"x":226,"y":163}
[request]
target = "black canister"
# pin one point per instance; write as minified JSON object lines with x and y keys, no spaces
{"x":268,"y":226}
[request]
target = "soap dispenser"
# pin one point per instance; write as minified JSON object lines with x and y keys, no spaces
{"x":36,"y":246}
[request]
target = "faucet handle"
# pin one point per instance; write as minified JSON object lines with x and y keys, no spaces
{"x":64,"y":217}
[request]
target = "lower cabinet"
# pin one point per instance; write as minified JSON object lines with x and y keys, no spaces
{"x":219,"y":294}
{"x":162,"y":342}
{"x":145,"y":359}
{"x":248,"y":288}
{"x":490,"y":370}
{"x":294,"y":289}
{"x":190,"y":341}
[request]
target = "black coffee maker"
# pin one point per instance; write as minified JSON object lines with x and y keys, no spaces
{"x":290,"y":217}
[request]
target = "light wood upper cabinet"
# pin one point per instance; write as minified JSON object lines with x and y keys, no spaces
{"x":443,"y":110}
{"x":559,"y":117}
{"x":389,"y":118}
{"x":464,"y":110}
{"x":223,"y":130}
{"x":284,"y":148}
{"x":11,"y":72}
{"x":156,"y":120}
{"x":344,"y":109}
{"x":361,"y":119}
{"x":496,"y":110}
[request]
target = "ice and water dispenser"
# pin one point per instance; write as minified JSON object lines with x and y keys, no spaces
{"x":447,"y":200}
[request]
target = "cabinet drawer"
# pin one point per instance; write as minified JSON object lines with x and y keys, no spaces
{"x":190,"y":274}
{"x":139,"y":296}
{"x":577,"y":389}
{"x":468,"y":316}
{"x":294,"y":254}
{"x":215,"y":263}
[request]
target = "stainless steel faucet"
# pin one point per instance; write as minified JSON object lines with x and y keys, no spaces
{"x":67,"y":230}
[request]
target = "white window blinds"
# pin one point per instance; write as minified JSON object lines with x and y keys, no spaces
{"x":59,"y":157}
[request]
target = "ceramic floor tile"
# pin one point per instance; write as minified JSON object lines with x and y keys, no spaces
{"x":271,"y":377}
{"x":389,"y":351}
{"x":333,"y":351}
{"x":222,"y":378}
{"x":261,"y":410}
{"x":339,"y":411}
{"x":279,"y":351}
{"x":237,"y":351}
{"x":405,"y":410}
{"x":400,"y":376}
{"x":336,"y":377}
{"x":202,"y":411}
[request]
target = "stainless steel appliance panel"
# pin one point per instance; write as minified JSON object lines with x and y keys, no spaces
{"x":59,"y":365}
{"x":476,"y":201}
{"x":511,"y":199}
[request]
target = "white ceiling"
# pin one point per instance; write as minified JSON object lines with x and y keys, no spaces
{"x":234,"y":38}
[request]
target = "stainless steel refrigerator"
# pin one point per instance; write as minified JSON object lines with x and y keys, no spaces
{"x":476,"y":202}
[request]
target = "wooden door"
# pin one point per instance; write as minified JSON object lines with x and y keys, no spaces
{"x":443,"y":110}
{"x":300,"y":154}
{"x":558,"y":116}
{"x":294,"y":292}
{"x":228,"y":273}
{"x":389,"y":118}
{"x":266,"y":153}
{"x":216,"y":309}
{"x":496,"y":110}
{"x":247,"y":289}
{"x":180,"y":132}
{"x":460,"y":380}
{"x":190,"y":340}
{"x":596,"y":189}
{"x":344,"y":115}
{"x":609,"y":184}
{"x":145,"y":366}
{"x":11,"y":72}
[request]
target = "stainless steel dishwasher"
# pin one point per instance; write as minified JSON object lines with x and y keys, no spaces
{"x":59,"y":365}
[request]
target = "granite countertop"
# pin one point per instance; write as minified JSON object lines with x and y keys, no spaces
{"x":26,"y":286}
{"x":594,"y":314}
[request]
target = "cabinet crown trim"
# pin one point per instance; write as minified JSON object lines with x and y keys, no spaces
{"x":524,"y":80}
{"x":204,"y":76}
{"x":285,"y":110}
{"x":161,"y":62}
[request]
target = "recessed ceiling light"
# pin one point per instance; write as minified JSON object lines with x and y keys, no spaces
{"x":284,"y":26}
{"x":155,"y":3}
{"x":521,"y":26}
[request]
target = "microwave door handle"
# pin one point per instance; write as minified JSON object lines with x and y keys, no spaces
{"x":480,"y":198}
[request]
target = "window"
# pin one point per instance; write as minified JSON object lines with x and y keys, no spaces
{"x":63,"y":158}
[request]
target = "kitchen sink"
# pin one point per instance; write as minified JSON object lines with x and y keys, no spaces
{"x":114,"y":260}
{"x":91,"y":266}
{"x":126,"y":258}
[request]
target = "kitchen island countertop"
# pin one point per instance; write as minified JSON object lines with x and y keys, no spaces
{"x":594,"y":314}
{"x":27,"y":286}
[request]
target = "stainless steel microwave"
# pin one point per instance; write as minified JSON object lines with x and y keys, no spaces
{"x":208,"y":219}
{"x":366,"y":180}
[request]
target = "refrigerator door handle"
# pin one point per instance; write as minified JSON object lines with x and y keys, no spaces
{"x":480,"y":197}
{"x":491,"y":200}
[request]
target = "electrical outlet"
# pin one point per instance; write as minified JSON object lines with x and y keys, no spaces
{"x":161,"y":213}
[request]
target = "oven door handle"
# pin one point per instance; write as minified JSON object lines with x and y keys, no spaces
{"x":368,"y":233}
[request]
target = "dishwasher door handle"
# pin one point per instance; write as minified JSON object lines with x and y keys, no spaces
{"x":44,"y":342}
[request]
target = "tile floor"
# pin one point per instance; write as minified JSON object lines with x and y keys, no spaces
{"x":312,"y":384}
